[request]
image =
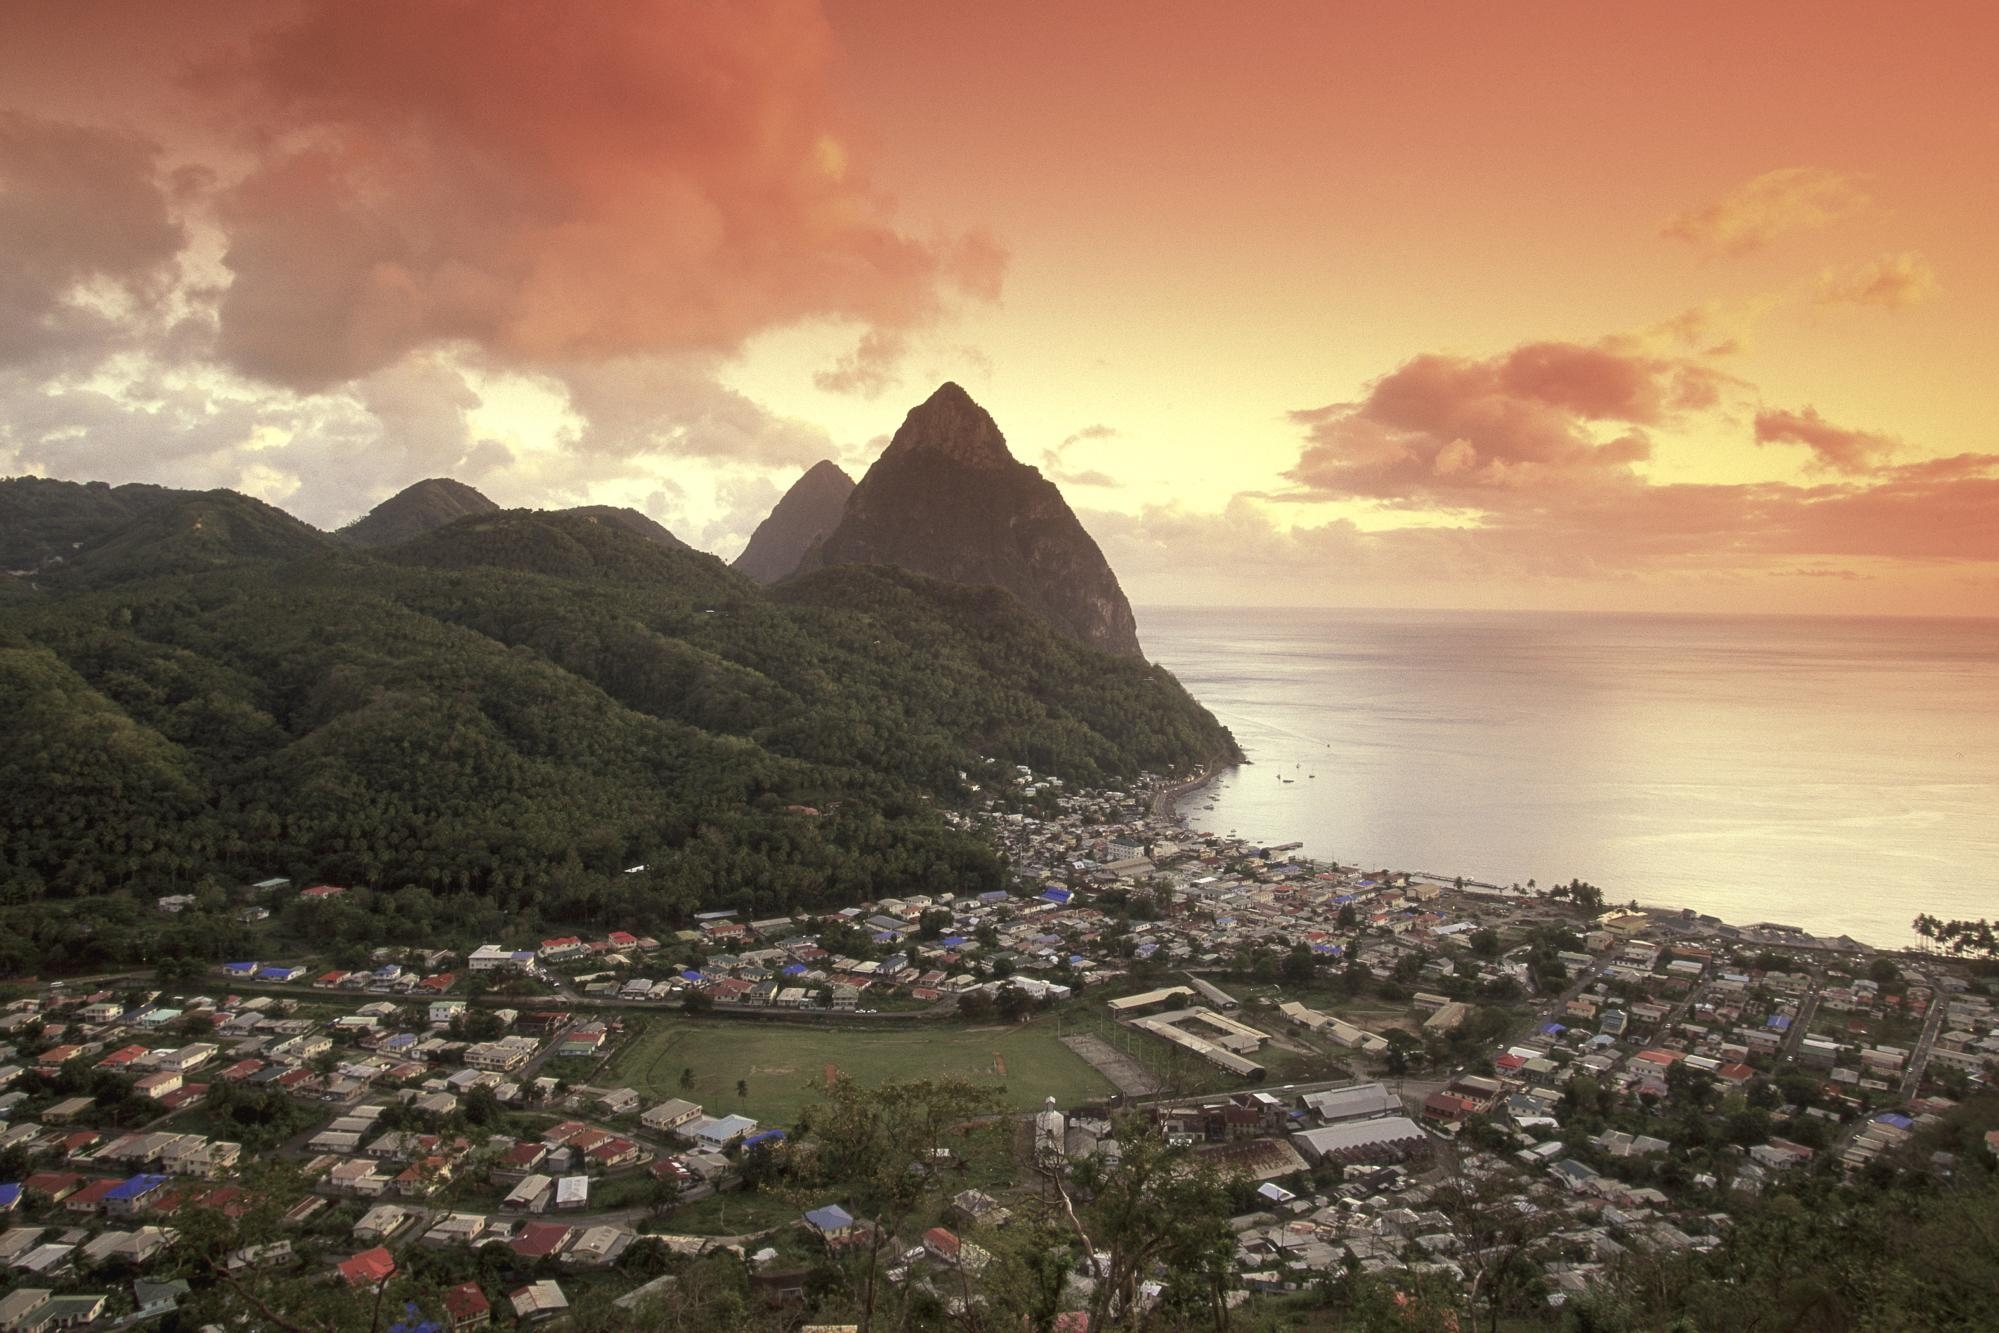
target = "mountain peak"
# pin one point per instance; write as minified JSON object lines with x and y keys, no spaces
{"x":947,"y":499}
{"x":950,"y":424}
{"x":418,"y":508}
{"x":808,"y":511}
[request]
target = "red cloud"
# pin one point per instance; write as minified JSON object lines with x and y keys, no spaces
{"x":553,"y":182}
{"x":1457,"y":430}
{"x":1833,"y":447}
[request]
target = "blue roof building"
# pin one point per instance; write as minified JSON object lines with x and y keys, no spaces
{"x":830,"y":1220}
{"x":138,"y":1187}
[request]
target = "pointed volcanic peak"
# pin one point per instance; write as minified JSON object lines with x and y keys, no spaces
{"x":414,"y":510}
{"x":808,"y":511}
{"x":947,"y":499}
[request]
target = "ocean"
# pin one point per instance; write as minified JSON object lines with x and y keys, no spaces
{"x":1835,"y":774}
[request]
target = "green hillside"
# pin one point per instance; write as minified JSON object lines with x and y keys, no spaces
{"x":511,"y":712}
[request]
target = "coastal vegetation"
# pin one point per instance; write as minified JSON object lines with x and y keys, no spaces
{"x":544,"y":715}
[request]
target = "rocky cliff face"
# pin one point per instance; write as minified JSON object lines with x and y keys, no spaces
{"x":808,"y":511}
{"x":415,"y":510}
{"x":947,"y":499}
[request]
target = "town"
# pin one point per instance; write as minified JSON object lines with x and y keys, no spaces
{"x":1401,"y":1075}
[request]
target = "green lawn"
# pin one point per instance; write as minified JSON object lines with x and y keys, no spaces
{"x":735,"y":1213}
{"x":785,"y":1066}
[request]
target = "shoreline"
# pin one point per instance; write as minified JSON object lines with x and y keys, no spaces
{"x":1165,"y":804}
{"x":1166,"y":801}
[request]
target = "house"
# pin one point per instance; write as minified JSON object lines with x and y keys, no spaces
{"x":532,"y":1195}
{"x":541,"y":1240}
{"x":523,"y":1157}
{"x":188,"y":1057}
{"x":719,"y":1134}
{"x":539,"y":1300}
{"x":466,"y":1306}
{"x":619,"y":1101}
{"x":670,"y":1115}
{"x":833,"y":1223}
{"x":90,"y":1198}
{"x":612,"y":1152}
{"x":455,"y":1229}
{"x":368,"y":1269}
{"x":597,"y":1246}
{"x":491,"y":957}
{"x":941,"y":1245}
{"x":51,"y":1186}
{"x":381,"y":1222}
{"x":134,"y":1195}
{"x":37,"y":1308}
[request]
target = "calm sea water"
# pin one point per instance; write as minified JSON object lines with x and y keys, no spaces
{"x":1835,"y":774}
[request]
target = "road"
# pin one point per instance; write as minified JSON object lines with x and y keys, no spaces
{"x":1912,"y":1080}
{"x":566,"y":999}
{"x":1807,"y":1009}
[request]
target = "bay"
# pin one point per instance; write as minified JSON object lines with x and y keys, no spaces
{"x":1835,"y":774}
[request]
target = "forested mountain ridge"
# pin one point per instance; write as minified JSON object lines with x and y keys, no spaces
{"x":43,"y":520}
{"x":515,"y":710}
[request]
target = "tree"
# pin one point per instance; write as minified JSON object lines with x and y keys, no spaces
{"x":1158,"y":1208}
{"x":481,"y":1107}
{"x":742,"y":1088}
{"x":1013,"y":1004}
{"x":687,"y":1078}
{"x":875,"y":1143}
{"x":1494,"y":1238}
{"x":1401,"y":1046}
{"x":1300,"y":966}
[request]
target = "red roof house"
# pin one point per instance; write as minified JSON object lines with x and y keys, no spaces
{"x":370,"y":1268}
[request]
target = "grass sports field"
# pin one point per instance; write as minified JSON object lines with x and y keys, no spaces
{"x":785,"y":1066}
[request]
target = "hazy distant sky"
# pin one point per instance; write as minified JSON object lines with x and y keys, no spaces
{"x":1530,"y":304}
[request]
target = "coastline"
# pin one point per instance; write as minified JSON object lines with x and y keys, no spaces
{"x":1165,"y":804}
{"x":1166,"y":801}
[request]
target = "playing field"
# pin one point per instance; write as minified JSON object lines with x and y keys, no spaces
{"x":786,"y":1066}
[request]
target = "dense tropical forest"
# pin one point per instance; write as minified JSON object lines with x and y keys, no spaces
{"x":512,"y":714}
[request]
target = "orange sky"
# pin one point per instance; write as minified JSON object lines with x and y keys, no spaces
{"x":1563,"y":305}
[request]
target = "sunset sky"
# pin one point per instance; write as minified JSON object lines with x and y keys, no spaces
{"x":1563,"y":305}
